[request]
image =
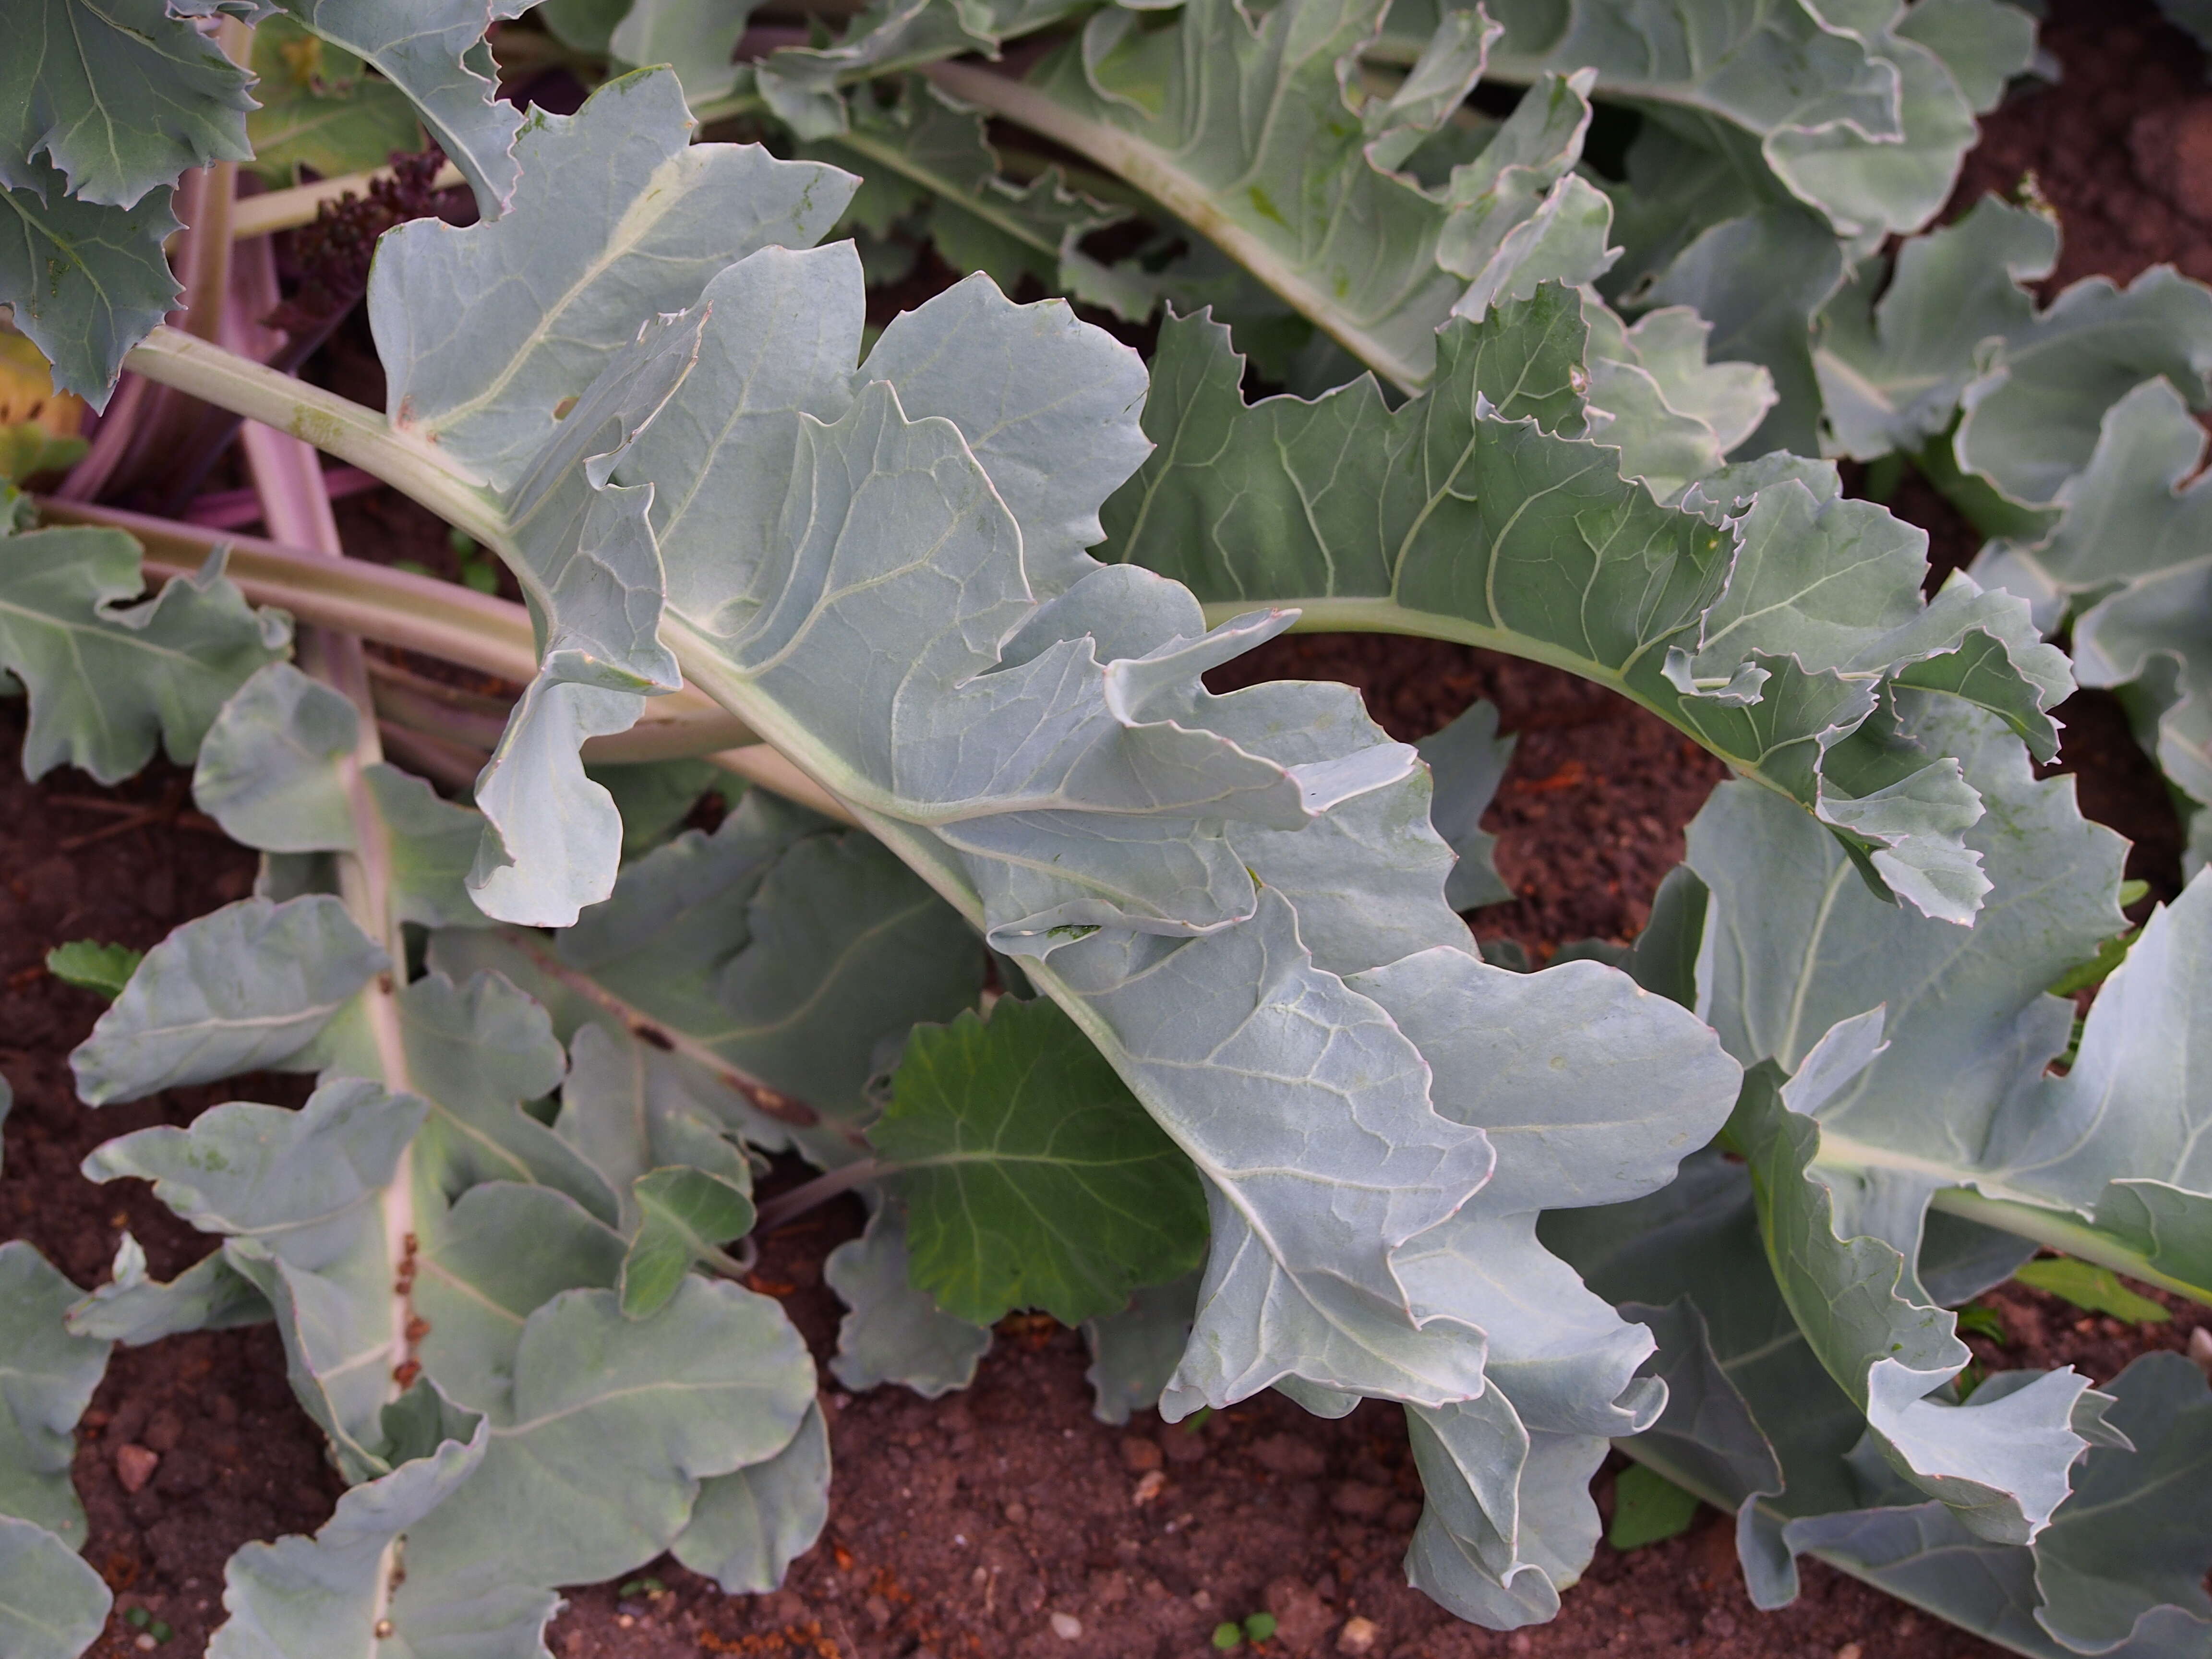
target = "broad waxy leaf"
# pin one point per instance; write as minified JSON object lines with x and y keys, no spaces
{"x":1509,"y":1522}
{"x":748,"y":1527}
{"x":2030,"y":421}
{"x":319,"y":110}
{"x":782,"y":946}
{"x":1998,"y":1462}
{"x":484,"y":331}
{"x":927,"y":154}
{"x":47,"y":1375}
{"x":243,"y":988}
{"x":53,"y":1604}
{"x":1794,"y":947}
{"x":435,"y":50}
{"x":108,"y":678}
{"x":327,"y":1594}
{"x":1758,"y":278}
{"x":121,"y":97}
{"x":1191,"y":876}
{"x":1891,"y":369}
{"x":1493,"y":529}
{"x":1134,"y":1350}
{"x":637,"y":1412}
{"x":800,"y":84}
{"x":541,"y":405}
{"x":2131,"y":519}
{"x":1241,"y":129}
{"x":1745,"y":1391}
{"x":1031,"y":1176}
{"x":134,"y":1309}
{"x":695,"y":39}
{"x":299,"y":1194}
{"x":891,"y":1331}
{"x":87,"y":282}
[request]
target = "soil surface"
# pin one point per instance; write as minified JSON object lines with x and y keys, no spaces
{"x":1005,"y":1520}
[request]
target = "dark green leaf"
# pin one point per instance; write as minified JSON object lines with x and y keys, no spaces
{"x":93,"y":966}
{"x":1033,"y":1177}
{"x":1648,"y":1507}
{"x":121,"y":95}
{"x":688,"y":1215}
{"x":87,"y":282}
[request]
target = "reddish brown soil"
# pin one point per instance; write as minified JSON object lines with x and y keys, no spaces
{"x":2122,"y":147}
{"x":959,"y":1526}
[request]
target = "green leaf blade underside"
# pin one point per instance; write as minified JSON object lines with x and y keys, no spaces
{"x":319,"y":110}
{"x":109,"y":679}
{"x":2102,"y":1156}
{"x":47,"y":1374}
{"x":1032,"y":1177}
{"x":1755,"y":1424}
{"x":87,"y":282}
{"x":121,"y":98}
{"x":877,"y":565}
{"x":1761,"y":615}
{"x":93,"y":966}
{"x":1647,"y":1509}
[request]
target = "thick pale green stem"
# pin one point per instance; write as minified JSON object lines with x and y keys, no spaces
{"x":2062,"y":1231}
{"x":1146,"y":166}
{"x":334,"y":425}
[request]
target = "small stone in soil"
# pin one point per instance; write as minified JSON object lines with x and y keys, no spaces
{"x":135,"y":1466}
{"x":1067,"y":1626}
{"x":1139,"y":1455}
{"x":1018,"y":1513}
{"x":1149,"y":1488}
{"x":1357,"y":1636}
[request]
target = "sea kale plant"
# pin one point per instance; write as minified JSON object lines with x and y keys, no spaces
{"x":1114,"y":998}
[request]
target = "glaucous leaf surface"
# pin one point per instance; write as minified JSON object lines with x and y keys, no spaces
{"x":748,"y":1527}
{"x":893,"y":1332}
{"x":53,"y":1604}
{"x":47,"y":1375}
{"x":109,"y":676}
{"x":1134,"y":1350}
{"x":435,"y":50}
{"x":802,"y":85}
{"x":927,"y":163}
{"x":244,"y":988}
{"x":1242,"y":128}
{"x":781,"y":948}
{"x":484,"y":331}
{"x":133,"y":1307}
{"x":1891,"y":369}
{"x":1553,"y":1067}
{"x":1191,"y":876}
{"x":1767,"y":635}
{"x":695,"y":38}
{"x":2135,"y":516}
{"x":1745,"y":1391}
{"x":1031,"y":1176}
